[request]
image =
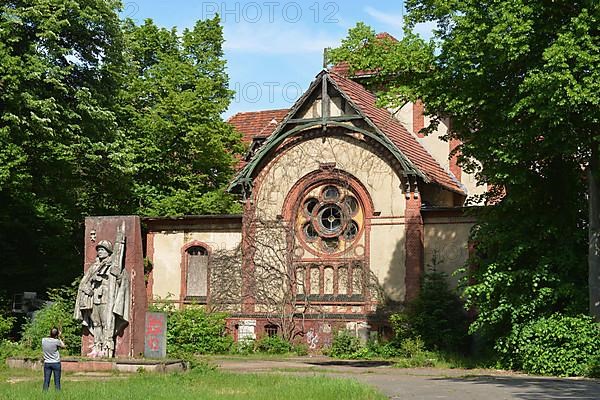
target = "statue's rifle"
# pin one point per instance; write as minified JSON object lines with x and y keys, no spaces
{"x":118,"y":259}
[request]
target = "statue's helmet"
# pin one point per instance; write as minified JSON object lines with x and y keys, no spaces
{"x":105,"y":244}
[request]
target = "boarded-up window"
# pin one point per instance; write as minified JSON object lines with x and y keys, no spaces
{"x":343,"y":280}
{"x":315,"y":277}
{"x":357,"y":279}
{"x":328,"y":280}
{"x":197,"y":272}
{"x":300,"y":280}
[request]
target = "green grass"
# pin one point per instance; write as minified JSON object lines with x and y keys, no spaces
{"x":183,"y":386}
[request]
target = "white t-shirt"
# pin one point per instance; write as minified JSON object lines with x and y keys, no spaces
{"x":50,"y":348}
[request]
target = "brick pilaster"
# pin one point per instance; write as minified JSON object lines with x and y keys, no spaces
{"x":248,"y":249}
{"x":413,"y":243}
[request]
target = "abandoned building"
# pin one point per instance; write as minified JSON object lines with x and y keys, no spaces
{"x":345,"y":206}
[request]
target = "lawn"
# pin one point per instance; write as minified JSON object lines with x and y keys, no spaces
{"x":182,"y":386}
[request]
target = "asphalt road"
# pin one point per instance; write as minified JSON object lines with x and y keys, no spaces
{"x":428,"y":383}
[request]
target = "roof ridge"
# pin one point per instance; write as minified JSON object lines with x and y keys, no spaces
{"x":404,"y":141}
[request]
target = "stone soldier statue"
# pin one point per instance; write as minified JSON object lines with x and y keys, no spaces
{"x":103,"y":299}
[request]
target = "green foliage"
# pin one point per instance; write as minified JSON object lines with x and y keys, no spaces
{"x":61,"y":156}
{"x":102,"y":117}
{"x":273,"y":345}
{"x":300,"y":349}
{"x":194,"y":331}
{"x":58,"y":312}
{"x":6,"y":324}
{"x":14,"y":349}
{"x":437,"y":316}
{"x":344,"y":345}
{"x":555,"y":345}
{"x":243,"y":347}
{"x":171,"y":104}
{"x":513,"y":77}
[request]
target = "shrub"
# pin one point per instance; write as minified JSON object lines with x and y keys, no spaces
{"x":344,"y":345}
{"x":58,"y":312}
{"x":437,"y":316}
{"x":273,"y":345}
{"x":300,"y":349}
{"x":411,"y":348}
{"x":556,"y":345}
{"x":243,"y":347}
{"x":6,"y":324}
{"x":193,"y":330}
{"x":402,"y":327}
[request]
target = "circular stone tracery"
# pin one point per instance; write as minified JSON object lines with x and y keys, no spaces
{"x":330,"y":219}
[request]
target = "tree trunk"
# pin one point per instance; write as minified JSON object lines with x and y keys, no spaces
{"x":594,"y":233}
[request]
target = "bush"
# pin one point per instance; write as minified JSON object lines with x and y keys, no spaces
{"x":13,"y":349}
{"x":194,"y":331}
{"x":58,"y":312}
{"x":300,"y":349}
{"x":344,"y":345}
{"x":273,"y":345}
{"x":243,"y":347}
{"x":6,"y":324}
{"x":556,"y":345}
{"x":437,"y":316}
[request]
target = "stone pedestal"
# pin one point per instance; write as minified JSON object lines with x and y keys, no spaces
{"x":131,"y":342}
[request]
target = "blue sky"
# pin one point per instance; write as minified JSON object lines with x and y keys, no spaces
{"x":273,"y":48}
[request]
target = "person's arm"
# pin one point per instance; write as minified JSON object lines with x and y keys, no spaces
{"x":61,"y":344}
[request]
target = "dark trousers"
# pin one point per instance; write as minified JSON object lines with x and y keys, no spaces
{"x":50,"y":368}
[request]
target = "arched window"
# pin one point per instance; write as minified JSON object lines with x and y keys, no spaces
{"x":197,"y":273}
{"x":331,"y":219}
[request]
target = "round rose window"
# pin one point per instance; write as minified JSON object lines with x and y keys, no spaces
{"x":330,"y":220}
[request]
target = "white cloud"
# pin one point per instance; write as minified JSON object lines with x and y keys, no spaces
{"x":394,"y":20}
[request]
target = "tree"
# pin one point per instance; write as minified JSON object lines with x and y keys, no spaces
{"x":174,"y":94}
{"x":60,"y":153}
{"x":518,"y":81}
{"x":100,"y":117}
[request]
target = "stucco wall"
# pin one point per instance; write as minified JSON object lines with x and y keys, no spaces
{"x":376,"y":175}
{"x":388,"y":258}
{"x":349,"y":155}
{"x":167,"y":253}
{"x":446,"y":245}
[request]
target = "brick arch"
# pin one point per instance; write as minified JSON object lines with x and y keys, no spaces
{"x":324,"y":176}
{"x":329,"y":174}
{"x":184,"y":267}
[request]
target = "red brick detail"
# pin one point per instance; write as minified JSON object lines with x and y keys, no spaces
{"x":248,"y":228}
{"x":418,"y":118}
{"x":413,"y":246}
{"x":454,"y":144}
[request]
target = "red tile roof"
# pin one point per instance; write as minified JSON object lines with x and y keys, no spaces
{"x":257,"y":123}
{"x":396,"y":132}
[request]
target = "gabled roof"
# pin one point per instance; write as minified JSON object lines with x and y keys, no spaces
{"x":396,"y":132}
{"x":384,"y":128}
{"x":257,"y":123}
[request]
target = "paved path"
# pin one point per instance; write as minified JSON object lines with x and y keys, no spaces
{"x":428,"y":383}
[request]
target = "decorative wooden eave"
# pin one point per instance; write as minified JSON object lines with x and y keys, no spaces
{"x":290,"y":126}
